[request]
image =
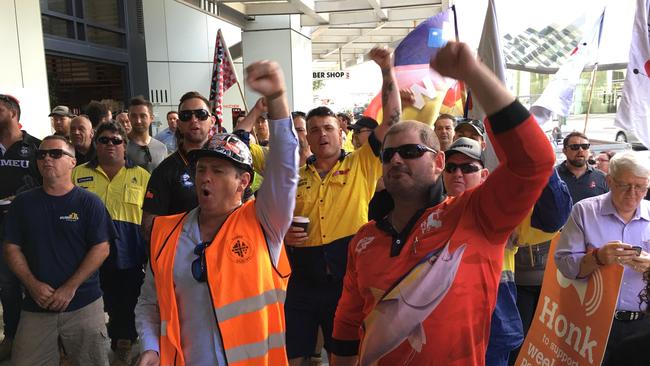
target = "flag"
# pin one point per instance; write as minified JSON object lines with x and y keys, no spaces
{"x":412,"y":70}
{"x":223,"y":77}
{"x":491,"y":55}
{"x":634,"y":111}
{"x":558,"y":95}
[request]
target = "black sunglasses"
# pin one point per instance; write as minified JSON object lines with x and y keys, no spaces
{"x":201,"y":114}
{"x":466,"y":168}
{"x":198,"y":265}
{"x":147,"y":153}
{"x":576,"y":147}
{"x":53,"y":153}
{"x":408,"y":151}
{"x":104,"y":140}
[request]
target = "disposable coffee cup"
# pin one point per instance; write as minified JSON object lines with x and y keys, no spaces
{"x":300,"y":221}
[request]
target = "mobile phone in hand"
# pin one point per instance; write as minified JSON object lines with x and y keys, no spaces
{"x":638,"y":250}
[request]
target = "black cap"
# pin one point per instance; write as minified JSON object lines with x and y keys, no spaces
{"x":364,"y":122}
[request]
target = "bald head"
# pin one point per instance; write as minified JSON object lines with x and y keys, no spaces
{"x":81,"y":133}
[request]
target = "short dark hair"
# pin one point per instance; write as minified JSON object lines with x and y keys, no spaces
{"x":610,"y":153}
{"x":170,"y":112}
{"x":11,"y":103}
{"x":68,"y":144}
{"x":345,"y":116}
{"x":114,"y":127}
{"x":321,"y":112}
{"x":192,"y":95}
{"x":445,"y":116}
{"x":574,"y":134}
{"x":96,"y":111}
{"x":297,"y":114}
{"x":139,"y":100}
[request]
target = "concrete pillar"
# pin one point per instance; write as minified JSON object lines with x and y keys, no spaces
{"x":23,"y":63}
{"x":279,"y":38}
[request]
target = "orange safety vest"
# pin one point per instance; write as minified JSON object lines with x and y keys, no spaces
{"x":247,"y":291}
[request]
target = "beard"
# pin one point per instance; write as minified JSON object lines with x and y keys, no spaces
{"x":577,"y":162}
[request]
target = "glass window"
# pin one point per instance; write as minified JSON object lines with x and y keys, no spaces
{"x":59,"y":6}
{"x":104,"y":12}
{"x":57,"y":27}
{"x":104,"y":37}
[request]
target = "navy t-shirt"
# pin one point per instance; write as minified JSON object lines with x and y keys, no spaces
{"x":55,"y":233}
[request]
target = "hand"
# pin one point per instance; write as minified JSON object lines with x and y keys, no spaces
{"x":382,"y":56}
{"x":40,"y":292}
{"x":148,"y":358}
{"x":616,"y":252}
{"x":407,"y":97}
{"x":61,"y":298}
{"x":296,"y":236}
{"x":454,"y":60}
{"x":260,"y":106}
{"x":266,"y":78}
{"x":640,"y":263}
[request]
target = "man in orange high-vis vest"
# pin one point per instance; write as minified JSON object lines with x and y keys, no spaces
{"x":214,"y":292}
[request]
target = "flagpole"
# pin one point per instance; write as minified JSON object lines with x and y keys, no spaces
{"x":592,"y":80}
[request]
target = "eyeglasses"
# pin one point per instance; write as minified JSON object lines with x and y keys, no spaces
{"x":104,"y":140}
{"x":198,"y":265}
{"x":576,"y":147}
{"x":186,"y":116}
{"x":466,"y":168}
{"x":407,"y":151}
{"x":53,"y":153}
{"x":356,"y":132}
{"x":630,"y":187}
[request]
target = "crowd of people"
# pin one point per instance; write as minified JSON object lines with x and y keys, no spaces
{"x":382,"y":242}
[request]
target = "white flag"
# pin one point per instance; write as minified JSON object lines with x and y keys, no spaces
{"x":558,"y":95}
{"x":491,"y":54}
{"x":634,"y":111}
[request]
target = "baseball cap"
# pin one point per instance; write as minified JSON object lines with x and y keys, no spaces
{"x":61,"y":110}
{"x":476,"y":125}
{"x":468,"y":147}
{"x":227,"y":146}
{"x":364,"y":122}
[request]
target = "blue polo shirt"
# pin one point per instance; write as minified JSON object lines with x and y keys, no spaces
{"x":55,"y":234}
{"x":590,"y":184}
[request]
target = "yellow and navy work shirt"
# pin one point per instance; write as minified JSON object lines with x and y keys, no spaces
{"x":337,"y":205}
{"x":123,"y":197}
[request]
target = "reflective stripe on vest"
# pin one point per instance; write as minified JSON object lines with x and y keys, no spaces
{"x":253,"y":350}
{"x":250,"y":304}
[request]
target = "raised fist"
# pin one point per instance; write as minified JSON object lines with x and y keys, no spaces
{"x":383,"y":56}
{"x":266,"y":78}
{"x":454,"y":60}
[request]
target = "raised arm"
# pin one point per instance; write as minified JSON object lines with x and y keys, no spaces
{"x":248,"y":121}
{"x":277,"y":195}
{"x":457,"y":61}
{"x":390,"y":94}
{"x":526,"y":156}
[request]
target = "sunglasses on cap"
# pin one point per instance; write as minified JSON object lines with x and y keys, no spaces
{"x":104,"y":140}
{"x":407,"y":151}
{"x":576,"y":147}
{"x":466,"y":168}
{"x":201,"y":114}
{"x":53,"y":153}
{"x":198,"y":265}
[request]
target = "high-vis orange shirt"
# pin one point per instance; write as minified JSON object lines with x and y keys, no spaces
{"x":456,"y":331}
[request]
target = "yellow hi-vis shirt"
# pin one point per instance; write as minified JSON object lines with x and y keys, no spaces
{"x":123,"y":195}
{"x":337,"y":205}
